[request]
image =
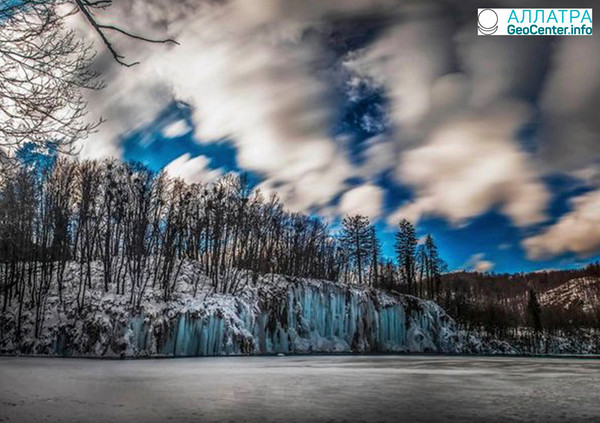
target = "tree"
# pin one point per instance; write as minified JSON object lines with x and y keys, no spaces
{"x":87,"y":8}
{"x":422,"y":266}
{"x":357,"y":241}
{"x":387,"y":277}
{"x":43,"y":69}
{"x":406,"y":244}
{"x":535,"y":311}
{"x":434,"y":267}
{"x":375,"y":253}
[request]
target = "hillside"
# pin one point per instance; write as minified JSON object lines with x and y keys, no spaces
{"x":581,"y":293}
{"x":499,"y":306}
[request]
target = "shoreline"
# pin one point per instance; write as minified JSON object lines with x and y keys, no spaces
{"x":325,"y":354}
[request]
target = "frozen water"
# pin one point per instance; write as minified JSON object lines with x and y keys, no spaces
{"x":276,"y":315}
{"x":300,"y":389}
{"x":308,"y":316}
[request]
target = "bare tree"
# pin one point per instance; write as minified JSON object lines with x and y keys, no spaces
{"x":87,"y":8}
{"x":43,"y":68}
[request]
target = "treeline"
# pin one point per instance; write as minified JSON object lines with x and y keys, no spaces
{"x":417,"y":267}
{"x":141,"y":226}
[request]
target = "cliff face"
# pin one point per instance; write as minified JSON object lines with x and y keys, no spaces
{"x":299,"y":317}
{"x":280,"y":316}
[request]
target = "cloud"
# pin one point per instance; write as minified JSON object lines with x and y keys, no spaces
{"x":578,"y":231}
{"x":261,"y":77}
{"x":570,"y":101}
{"x":455,"y":137}
{"x":251,"y":75}
{"x":176,"y":129}
{"x":406,"y":60}
{"x":192,"y":170}
{"x":365,"y":200}
{"x":498,"y":68}
{"x":471,"y":164}
{"x":378,"y":156}
{"x":477,"y":263}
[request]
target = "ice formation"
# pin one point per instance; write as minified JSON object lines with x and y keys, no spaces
{"x":295,"y":317}
{"x":276,"y":315}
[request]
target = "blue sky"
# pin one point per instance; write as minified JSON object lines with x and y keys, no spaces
{"x":488,"y":143}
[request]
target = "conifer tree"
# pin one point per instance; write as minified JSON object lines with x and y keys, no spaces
{"x":535,"y":311}
{"x":357,"y":240}
{"x":435,"y":267}
{"x":406,"y":244}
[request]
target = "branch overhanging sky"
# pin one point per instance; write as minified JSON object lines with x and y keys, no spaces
{"x":386,"y":108}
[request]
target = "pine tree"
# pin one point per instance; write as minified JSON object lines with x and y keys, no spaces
{"x":375,"y":253}
{"x":406,"y":244}
{"x":357,"y":240}
{"x":535,"y":311}
{"x":422,"y":266}
{"x":387,"y":277}
{"x":435,"y":267}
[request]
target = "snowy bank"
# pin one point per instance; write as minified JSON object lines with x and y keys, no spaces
{"x":277,"y":315}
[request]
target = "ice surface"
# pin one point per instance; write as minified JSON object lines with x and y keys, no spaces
{"x":300,"y":389}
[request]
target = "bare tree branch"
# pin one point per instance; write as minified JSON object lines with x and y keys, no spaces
{"x":84,"y":7}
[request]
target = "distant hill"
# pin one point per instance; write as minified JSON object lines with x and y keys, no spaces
{"x":510,"y":285}
{"x":580,"y":293}
{"x":499,"y":305}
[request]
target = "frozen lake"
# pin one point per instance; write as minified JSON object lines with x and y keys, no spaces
{"x":300,"y":389}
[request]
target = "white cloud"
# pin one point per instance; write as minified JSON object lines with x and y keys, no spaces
{"x":577,"y":232}
{"x":250,"y":76}
{"x":366,"y":200}
{"x":477,"y":263}
{"x":176,"y":129}
{"x":470,"y":165}
{"x":192,"y":170}
{"x":379,"y":156}
{"x":455,"y":140}
{"x":570,"y":101}
{"x":497,"y":68}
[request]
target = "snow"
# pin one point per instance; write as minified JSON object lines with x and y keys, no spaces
{"x":300,"y":389}
{"x":582,"y":293}
{"x":277,"y":315}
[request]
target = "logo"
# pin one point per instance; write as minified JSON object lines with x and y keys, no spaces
{"x":487,"y":22}
{"x":535,"y":22}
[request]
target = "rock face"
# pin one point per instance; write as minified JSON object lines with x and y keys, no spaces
{"x":302,"y":316}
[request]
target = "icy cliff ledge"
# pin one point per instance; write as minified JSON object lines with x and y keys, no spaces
{"x":277,"y":316}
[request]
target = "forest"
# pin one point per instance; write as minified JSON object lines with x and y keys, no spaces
{"x":140,"y":227}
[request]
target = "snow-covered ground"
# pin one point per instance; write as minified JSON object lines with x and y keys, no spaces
{"x":274,"y":315}
{"x":583,"y":293}
{"x":300,"y":389}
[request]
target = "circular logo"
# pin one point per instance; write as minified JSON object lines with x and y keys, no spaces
{"x":487,"y":22}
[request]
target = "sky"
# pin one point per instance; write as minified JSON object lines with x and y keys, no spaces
{"x":392,"y":109}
